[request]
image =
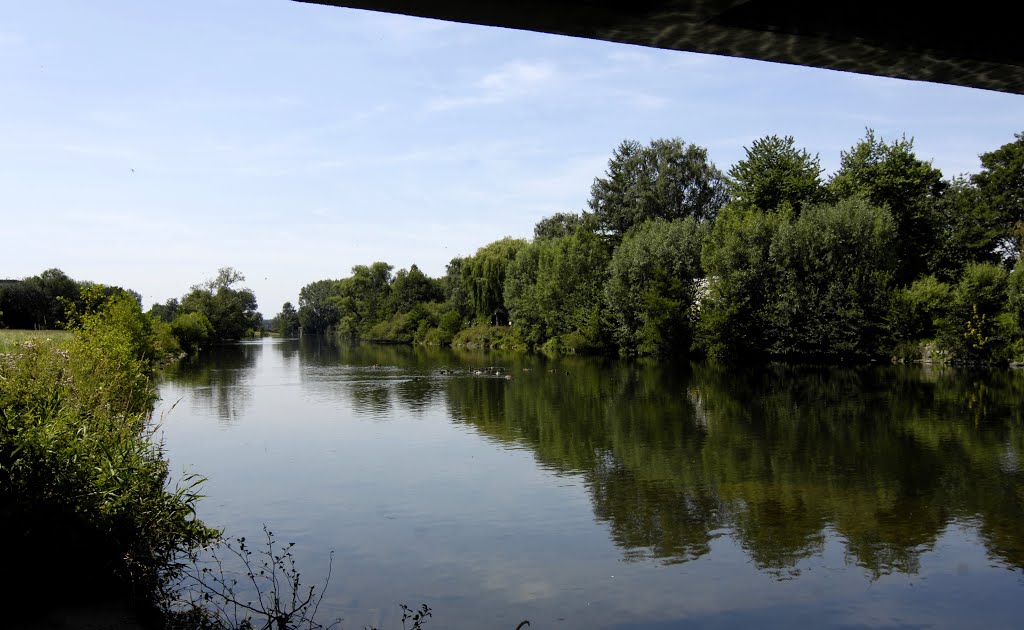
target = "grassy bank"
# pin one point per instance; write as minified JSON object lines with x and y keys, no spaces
{"x":12,"y":340}
{"x":87,"y":507}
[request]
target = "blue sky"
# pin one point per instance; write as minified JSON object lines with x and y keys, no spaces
{"x":148,"y":144}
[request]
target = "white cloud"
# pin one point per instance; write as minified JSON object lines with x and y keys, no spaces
{"x":512,"y":80}
{"x":516,"y":76}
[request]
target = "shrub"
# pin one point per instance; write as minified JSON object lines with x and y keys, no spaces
{"x":80,"y":475}
{"x":973,"y":330}
{"x":193,"y":331}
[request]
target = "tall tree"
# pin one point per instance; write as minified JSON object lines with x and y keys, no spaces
{"x":776,"y":172}
{"x":562,"y":224}
{"x":669,"y":179}
{"x":968,"y":231}
{"x":891,"y":175}
{"x":317,"y":309}
{"x":167,"y":311}
{"x":832,"y":270}
{"x":231,"y":311}
{"x":484,"y":277}
{"x":412,"y":286}
{"x":1001,"y":182}
{"x":741,"y":278}
{"x":553,"y":289}
{"x":653,"y":283}
{"x":287,"y":320}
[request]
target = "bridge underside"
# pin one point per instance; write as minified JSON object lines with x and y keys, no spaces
{"x":975,"y":46}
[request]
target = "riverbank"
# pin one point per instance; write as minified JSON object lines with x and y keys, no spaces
{"x":87,"y":506}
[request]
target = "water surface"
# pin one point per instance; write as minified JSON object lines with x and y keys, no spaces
{"x":597,"y":493}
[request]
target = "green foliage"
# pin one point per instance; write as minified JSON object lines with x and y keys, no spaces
{"x":406,"y":327}
{"x":455,"y":287}
{"x":193,"y":331}
{"x":973,"y":330}
{"x":1015,"y":295}
{"x":563,"y":224}
{"x":167,"y":311}
{"x":38,"y":302}
{"x":652,"y":286}
{"x":776,"y":172}
{"x":553,"y":289}
{"x":231,"y":312}
{"x":412,"y":287}
{"x":890,"y":175}
{"x":318,"y":310}
{"x":166,"y":342}
{"x":80,"y":475}
{"x":487,"y":336}
{"x":667,"y":180}
{"x":832,"y":269}
{"x":968,"y":231}
{"x":1001,"y":181}
{"x":733,"y":314}
{"x":916,"y":312}
{"x":483,"y":276}
{"x":365,"y":295}
{"x":287,"y":321}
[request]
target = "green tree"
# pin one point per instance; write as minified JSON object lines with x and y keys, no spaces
{"x":23,"y":303}
{"x":193,"y":331}
{"x":455,"y":286}
{"x":832,"y":268}
{"x":167,"y":311}
{"x":483,"y":276}
{"x":1001,"y":182}
{"x":317,"y":308}
{"x":411,"y":287}
{"x":741,"y":279}
{"x":972,"y":330}
{"x":890,"y":175}
{"x":364,"y":298}
{"x":1015,"y":308}
{"x":563,"y":224}
{"x":916,"y":312}
{"x":652,"y":289}
{"x":969,"y":230}
{"x":232,"y":312}
{"x":553,"y":289}
{"x":287,"y":320}
{"x":776,"y":172}
{"x":666,"y":180}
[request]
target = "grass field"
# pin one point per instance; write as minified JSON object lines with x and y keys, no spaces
{"x":11,"y":339}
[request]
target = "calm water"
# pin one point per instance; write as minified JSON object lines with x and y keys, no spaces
{"x":589,"y":493}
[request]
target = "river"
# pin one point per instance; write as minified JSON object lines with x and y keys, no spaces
{"x":582,"y":492}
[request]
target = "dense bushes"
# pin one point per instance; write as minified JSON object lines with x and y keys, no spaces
{"x":84,"y":490}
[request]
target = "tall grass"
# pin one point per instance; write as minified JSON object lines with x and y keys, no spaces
{"x":11,"y":340}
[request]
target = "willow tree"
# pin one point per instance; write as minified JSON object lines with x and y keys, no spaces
{"x":483,"y":276}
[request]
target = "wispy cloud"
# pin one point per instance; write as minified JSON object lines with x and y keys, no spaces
{"x":512,"y":80}
{"x":645,"y":101}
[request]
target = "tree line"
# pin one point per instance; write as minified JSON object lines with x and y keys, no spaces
{"x":769,"y":260}
{"x":215,"y":311}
